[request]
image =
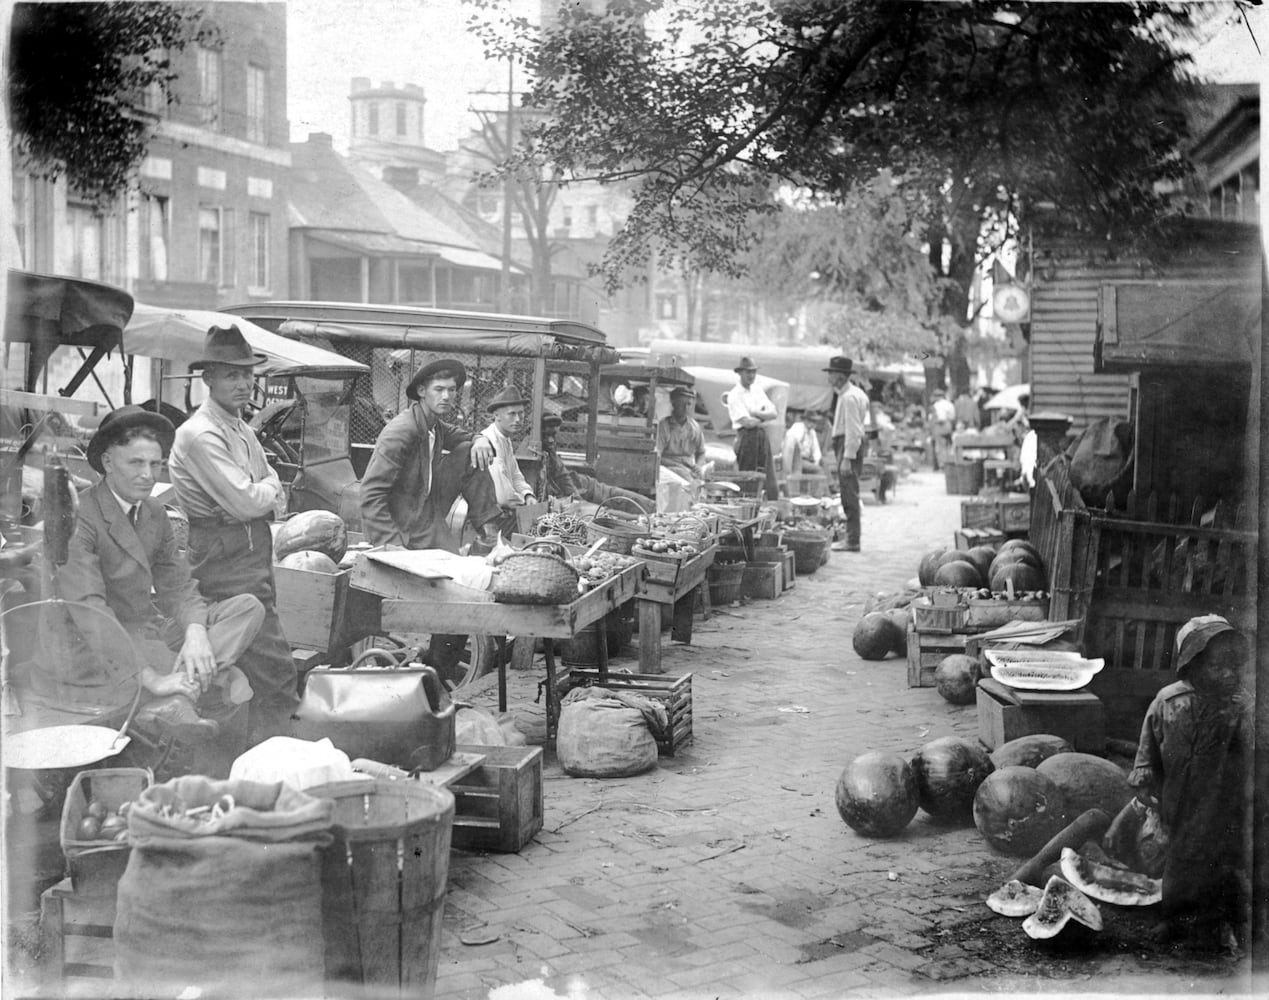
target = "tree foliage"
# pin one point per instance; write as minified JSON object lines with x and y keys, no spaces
{"x":977,"y":110}
{"x":78,"y":73}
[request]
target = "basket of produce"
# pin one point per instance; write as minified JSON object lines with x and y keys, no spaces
{"x":540,"y":573}
{"x":568,"y":528}
{"x":668,"y":549}
{"x":988,"y":608}
{"x":930,"y":616}
{"x":683,"y":524}
{"x":617,"y":528}
{"x":808,"y":549}
{"x":1041,"y":669}
{"x":94,"y":829}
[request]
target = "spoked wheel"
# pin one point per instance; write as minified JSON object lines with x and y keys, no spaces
{"x":457,"y":666}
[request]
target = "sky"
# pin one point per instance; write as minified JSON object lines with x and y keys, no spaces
{"x":426,"y":42}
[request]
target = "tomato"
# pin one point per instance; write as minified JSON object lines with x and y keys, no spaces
{"x":89,"y":828}
{"x":97,"y":810}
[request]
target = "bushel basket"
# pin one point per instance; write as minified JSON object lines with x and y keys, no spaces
{"x":536,"y":577}
{"x":617,"y":529}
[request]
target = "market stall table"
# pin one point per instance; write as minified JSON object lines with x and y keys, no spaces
{"x":419,"y":599}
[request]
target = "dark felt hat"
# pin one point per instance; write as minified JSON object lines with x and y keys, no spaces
{"x":117,"y":422}
{"x":510,"y":396}
{"x":227,"y":346}
{"x":745,"y":365}
{"x":840,"y":365}
{"x":444,"y":368}
{"x":682,"y":392}
{"x":551,"y":420}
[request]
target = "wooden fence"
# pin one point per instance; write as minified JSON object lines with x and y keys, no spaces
{"x":1134,"y":575}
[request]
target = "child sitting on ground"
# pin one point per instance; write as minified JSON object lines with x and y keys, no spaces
{"x":1192,"y":765}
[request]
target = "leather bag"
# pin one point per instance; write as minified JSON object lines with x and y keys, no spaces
{"x":382,"y":708}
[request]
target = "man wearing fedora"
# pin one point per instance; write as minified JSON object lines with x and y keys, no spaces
{"x":507,"y":410}
{"x":749,"y":409}
{"x":849,"y":421}
{"x":680,"y":440}
{"x":231,"y":494}
{"x":124,"y":561}
{"x":422,"y":463}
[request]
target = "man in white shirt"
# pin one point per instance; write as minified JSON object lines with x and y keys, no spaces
{"x":850,"y":420}
{"x":507,"y":409}
{"x":802,"y":454}
{"x":943,"y":421}
{"x":750,"y":409}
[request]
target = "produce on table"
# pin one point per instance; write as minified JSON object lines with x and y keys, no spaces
{"x":1061,"y":903}
{"x":101,"y":823}
{"x":665,"y":547}
{"x":1018,"y":810}
{"x":568,"y":528}
{"x":595,"y":569}
{"x":1089,"y":826}
{"x":980,"y":556}
{"x":877,"y":794}
{"x":1088,"y":782}
{"x":1015,"y":899}
{"x":956,"y":678}
{"x":875,"y":636}
{"x":1029,"y":751}
{"x":1110,"y":885}
{"x":316,"y":530}
{"x":948,"y":772}
{"x":307,"y":559}
{"x":957,"y":573}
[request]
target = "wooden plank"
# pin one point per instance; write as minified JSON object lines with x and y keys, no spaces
{"x":650,"y":635}
{"x":50,"y":404}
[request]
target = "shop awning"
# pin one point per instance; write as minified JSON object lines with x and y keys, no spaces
{"x":475,"y":259}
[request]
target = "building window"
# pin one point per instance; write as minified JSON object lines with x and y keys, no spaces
{"x":401,"y":118}
{"x":210,"y":246}
{"x":592,"y":215}
{"x":420,"y":125}
{"x":154,"y":98}
{"x":568,"y":218}
{"x":209,"y":84}
{"x":374,"y":119}
{"x":155,"y":227}
{"x":667,"y":306}
{"x":257,"y":104}
{"x":259,"y":250}
{"x":85,"y":234}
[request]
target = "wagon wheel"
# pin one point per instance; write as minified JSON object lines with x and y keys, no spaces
{"x":478,"y":657}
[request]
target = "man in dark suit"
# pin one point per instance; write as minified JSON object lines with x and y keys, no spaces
{"x":124,"y":561}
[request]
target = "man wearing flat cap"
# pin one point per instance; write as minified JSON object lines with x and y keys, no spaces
{"x":421,"y":464}
{"x":850,"y":419}
{"x":231,"y":494}
{"x":750,"y":409}
{"x":124,"y":562}
{"x":680,"y":440}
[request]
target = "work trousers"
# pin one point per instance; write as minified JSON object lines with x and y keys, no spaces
{"x":753,"y":454}
{"x":232,"y":558}
{"x":232,"y":626}
{"x":848,"y":480}
{"x":453,"y":476}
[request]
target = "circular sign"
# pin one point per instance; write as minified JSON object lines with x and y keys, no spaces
{"x":1011,"y":303}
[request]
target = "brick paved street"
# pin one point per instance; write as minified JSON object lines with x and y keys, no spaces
{"x":727,"y":872}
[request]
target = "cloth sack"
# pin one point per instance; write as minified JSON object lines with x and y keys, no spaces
{"x":608,"y":734}
{"x":475,"y":725}
{"x":1136,"y":838}
{"x":222,"y":891}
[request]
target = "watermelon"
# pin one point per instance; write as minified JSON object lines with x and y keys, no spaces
{"x":956,"y":678}
{"x":877,"y":794}
{"x":313,"y":562}
{"x":1015,"y":544}
{"x":1029,"y":751}
{"x":948,"y":772}
{"x":1010,"y":558}
{"x":875,"y":636}
{"x":314,"y":530}
{"x":1018,"y":810}
{"x":1088,"y":782}
{"x":957,"y":573}
{"x":899,"y":618}
{"x":929,"y":563}
{"x":1060,"y":903}
{"x":1022,"y":576}
{"x":980,"y":556}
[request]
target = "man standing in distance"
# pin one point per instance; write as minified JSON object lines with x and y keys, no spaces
{"x":230,"y":494}
{"x":420,"y":465}
{"x":849,"y":420}
{"x":749,"y":409}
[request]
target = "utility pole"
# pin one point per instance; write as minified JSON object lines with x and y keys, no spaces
{"x":504,"y":298}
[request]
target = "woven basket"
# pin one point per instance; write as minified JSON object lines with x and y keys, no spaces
{"x":619,"y":532}
{"x":536,"y":577}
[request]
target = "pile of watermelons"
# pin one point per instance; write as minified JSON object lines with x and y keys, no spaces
{"x":1015,"y":562}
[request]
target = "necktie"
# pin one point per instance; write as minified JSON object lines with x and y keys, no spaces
{"x":133,"y":511}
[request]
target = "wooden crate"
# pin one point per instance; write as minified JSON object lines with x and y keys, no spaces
{"x":1005,"y":714}
{"x":1013,"y":514}
{"x":963,"y":477}
{"x":807,"y":485}
{"x":673,"y":692}
{"x":790,"y":573}
{"x":311,"y":605}
{"x":763,"y":580}
{"x":926,"y":651}
{"x":498,"y":805}
{"x":979,"y":514}
{"x":968,"y":538}
{"x":77,"y":941}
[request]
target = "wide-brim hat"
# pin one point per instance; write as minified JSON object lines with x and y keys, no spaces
{"x":745,"y":364}
{"x":117,"y":422}
{"x":1192,"y":637}
{"x":444,"y":368}
{"x":227,"y":346}
{"x":510,"y":396}
{"x":840,"y":365}
{"x":550,"y":420}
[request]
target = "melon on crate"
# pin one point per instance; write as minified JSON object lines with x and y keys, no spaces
{"x":313,"y":530}
{"x":957,"y":573}
{"x":980,"y":557}
{"x":1012,"y":557}
{"x":1022,"y":576}
{"x":307,"y":559}
{"x":877,"y":794}
{"x":1013,"y":544}
{"x":929,"y":563}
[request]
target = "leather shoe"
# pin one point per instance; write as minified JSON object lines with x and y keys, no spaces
{"x":175,"y":714}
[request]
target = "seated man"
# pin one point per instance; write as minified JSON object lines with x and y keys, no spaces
{"x":510,"y":486}
{"x":124,"y":561}
{"x":680,"y":440}
{"x":801,"y":453}
{"x":555,"y":479}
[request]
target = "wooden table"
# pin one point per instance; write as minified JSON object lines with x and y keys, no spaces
{"x":672,"y":583}
{"x":413,"y":603}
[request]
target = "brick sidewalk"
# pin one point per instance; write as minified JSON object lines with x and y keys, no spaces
{"x":726,"y":871}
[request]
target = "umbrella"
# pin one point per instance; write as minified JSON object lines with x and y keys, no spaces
{"x":1009,"y":398}
{"x":177,"y":335}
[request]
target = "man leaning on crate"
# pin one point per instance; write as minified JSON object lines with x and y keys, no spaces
{"x":231,"y":494}
{"x":123,"y":560}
